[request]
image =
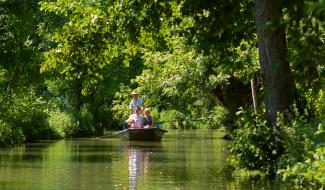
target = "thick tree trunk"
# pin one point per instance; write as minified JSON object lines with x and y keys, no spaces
{"x":278,"y":81}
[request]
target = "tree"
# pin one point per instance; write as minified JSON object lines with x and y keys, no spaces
{"x":18,"y":42}
{"x":88,"y":51}
{"x":279,"y":85}
{"x":22,"y":115}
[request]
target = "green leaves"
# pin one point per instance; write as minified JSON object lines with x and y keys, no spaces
{"x":255,"y":146}
{"x":309,"y":173}
{"x":84,"y":45}
{"x":317,"y":8}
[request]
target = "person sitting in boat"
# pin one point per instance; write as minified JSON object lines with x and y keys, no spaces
{"x":148,"y":121}
{"x":135,"y":102}
{"x":136,"y":119}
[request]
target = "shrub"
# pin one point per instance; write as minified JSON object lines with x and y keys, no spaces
{"x":256,"y":145}
{"x":309,"y":171}
{"x":34,"y":124}
{"x":86,"y":127}
{"x":294,"y":151}
{"x":174,"y":119}
{"x":25,"y":113}
{"x":218,"y":118}
{"x":9,"y":135}
{"x":82,"y":123}
{"x":303,"y":163}
{"x":62,"y":123}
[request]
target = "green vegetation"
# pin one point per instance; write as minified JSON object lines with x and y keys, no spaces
{"x":67,"y":69}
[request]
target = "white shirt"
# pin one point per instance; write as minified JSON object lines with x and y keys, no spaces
{"x":137,"y":120}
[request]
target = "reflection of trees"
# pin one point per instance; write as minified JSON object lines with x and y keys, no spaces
{"x":91,"y":153}
{"x":195,"y":159}
{"x":187,"y":160}
{"x":28,"y":152}
{"x":64,"y":164}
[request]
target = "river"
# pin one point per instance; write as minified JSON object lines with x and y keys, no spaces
{"x":184,"y":160}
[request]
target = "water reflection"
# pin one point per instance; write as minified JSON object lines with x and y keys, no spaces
{"x":138,"y":165}
{"x":187,"y":160}
{"x":29,"y":152}
{"x":139,"y":154}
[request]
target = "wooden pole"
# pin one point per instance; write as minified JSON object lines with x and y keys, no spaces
{"x":253,"y":87}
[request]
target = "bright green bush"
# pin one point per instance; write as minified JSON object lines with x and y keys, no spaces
{"x":62,"y":123}
{"x":72,"y":124}
{"x":82,"y":123}
{"x":218,"y":118}
{"x":174,"y":119}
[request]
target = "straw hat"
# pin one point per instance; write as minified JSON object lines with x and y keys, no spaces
{"x":134,"y":93}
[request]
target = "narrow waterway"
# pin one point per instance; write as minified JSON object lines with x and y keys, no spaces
{"x":186,"y":160}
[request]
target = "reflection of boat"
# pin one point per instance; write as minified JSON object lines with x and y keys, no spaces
{"x":142,"y":134}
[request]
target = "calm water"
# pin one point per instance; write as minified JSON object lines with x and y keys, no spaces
{"x":183,"y":160}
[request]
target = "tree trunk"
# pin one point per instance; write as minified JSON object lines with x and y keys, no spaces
{"x":278,"y":81}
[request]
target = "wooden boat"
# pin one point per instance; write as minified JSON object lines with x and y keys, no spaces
{"x":142,"y":134}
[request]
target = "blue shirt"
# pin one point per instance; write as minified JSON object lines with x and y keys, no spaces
{"x":136,"y":103}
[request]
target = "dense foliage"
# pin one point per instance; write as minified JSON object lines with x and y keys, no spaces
{"x":22,"y":113}
{"x":67,"y":69}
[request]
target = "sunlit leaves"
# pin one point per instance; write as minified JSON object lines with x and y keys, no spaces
{"x":177,"y":80}
{"x":219,"y":24}
{"x":84,"y":42}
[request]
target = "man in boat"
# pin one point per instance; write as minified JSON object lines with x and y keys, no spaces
{"x":136,"y":119}
{"x":135,"y":102}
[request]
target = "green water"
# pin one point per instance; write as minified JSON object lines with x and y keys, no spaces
{"x":183,"y":160}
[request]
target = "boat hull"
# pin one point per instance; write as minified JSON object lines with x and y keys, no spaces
{"x":143,"y":134}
